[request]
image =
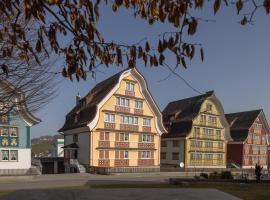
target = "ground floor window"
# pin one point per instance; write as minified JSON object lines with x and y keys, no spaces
{"x":4,"y":155}
{"x":163,"y":155}
{"x":14,"y":155}
{"x":175,"y":156}
{"x":8,"y":155}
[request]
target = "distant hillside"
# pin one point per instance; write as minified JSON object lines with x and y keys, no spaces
{"x":41,"y":146}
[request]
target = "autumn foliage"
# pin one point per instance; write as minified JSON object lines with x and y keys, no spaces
{"x":77,"y":19}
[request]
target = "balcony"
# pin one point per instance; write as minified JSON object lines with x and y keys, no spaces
{"x":104,"y":163}
{"x":122,"y":109}
{"x":105,"y":144}
{"x":129,"y":93}
{"x":108,"y":125}
{"x":145,"y":162}
{"x":146,"y":128}
{"x":129,"y":127}
{"x":121,"y":144}
{"x":146,"y":145}
{"x":138,"y":111}
{"x":121,"y":162}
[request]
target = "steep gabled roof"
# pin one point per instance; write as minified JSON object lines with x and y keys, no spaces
{"x":86,"y":112}
{"x":241,"y":122}
{"x":185,"y":109}
{"x":178,"y":115}
{"x":86,"y":108}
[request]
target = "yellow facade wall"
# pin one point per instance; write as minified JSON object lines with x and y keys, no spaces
{"x":200,"y":139}
{"x":109,"y":107}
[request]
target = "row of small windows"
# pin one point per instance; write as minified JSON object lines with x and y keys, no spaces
{"x":207,"y":144}
{"x":9,"y":131}
{"x":124,"y":154}
{"x":257,"y":126}
{"x":255,"y":158}
{"x":122,"y":101}
{"x":207,"y":131}
{"x":9,"y":155}
{"x":126,"y":119}
{"x":262,"y":149}
{"x":206,"y":156}
{"x":105,"y":136}
{"x":193,"y":156}
{"x":211,"y":119}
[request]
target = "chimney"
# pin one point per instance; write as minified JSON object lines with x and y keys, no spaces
{"x":78,"y":97}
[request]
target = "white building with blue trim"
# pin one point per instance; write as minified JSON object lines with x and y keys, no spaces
{"x":15,"y":140}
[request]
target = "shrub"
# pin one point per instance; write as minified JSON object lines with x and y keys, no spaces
{"x":214,"y":175}
{"x":258,"y":172}
{"x":226,"y":175}
{"x":204,"y":175}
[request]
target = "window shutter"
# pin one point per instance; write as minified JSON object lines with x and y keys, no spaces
{"x":116,"y":136}
{"x":152,"y":138}
{"x":116,"y":154}
{"x":106,"y":154}
{"x":101,"y":154}
{"x":121,"y":154}
{"x":107,"y":136}
{"x":101,"y":136}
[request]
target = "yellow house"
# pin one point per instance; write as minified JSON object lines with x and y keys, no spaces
{"x":116,"y":127}
{"x":197,"y":133}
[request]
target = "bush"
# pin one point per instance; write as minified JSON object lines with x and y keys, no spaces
{"x":226,"y":175}
{"x":258,"y":172}
{"x":214,"y":175}
{"x":204,"y":175}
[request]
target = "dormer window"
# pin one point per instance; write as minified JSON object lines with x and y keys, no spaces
{"x":129,"y":86}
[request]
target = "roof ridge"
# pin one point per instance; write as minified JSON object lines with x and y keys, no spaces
{"x":244,"y":112}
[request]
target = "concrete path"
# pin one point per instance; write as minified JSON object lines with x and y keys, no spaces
{"x":67,"y":180}
{"x":120,"y":194}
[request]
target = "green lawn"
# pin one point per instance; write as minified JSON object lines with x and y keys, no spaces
{"x":244,"y":191}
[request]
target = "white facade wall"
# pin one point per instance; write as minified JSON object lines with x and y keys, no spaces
{"x":170,"y":150}
{"x":24,"y":160}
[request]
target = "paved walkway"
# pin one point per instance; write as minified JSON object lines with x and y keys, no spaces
{"x":66,"y":180}
{"x":120,"y":194}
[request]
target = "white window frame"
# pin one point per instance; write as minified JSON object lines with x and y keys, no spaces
{"x":109,"y":117}
{"x":146,"y":155}
{"x":125,"y":119}
{"x":2,"y":131}
{"x":130,"y":86}
{"x":16,"y":130}
{"x":11,"y":155}
{"x":147,"y":122}
{"x":1,"y":152}
{"x":121,"y":101}
{"x":146,"y":138}
{"x":137,"y":103}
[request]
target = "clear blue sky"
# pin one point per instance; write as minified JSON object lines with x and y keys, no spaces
{"x":236,"y":65}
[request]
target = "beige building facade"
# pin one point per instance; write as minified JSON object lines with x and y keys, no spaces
{"x":117,"y":127}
